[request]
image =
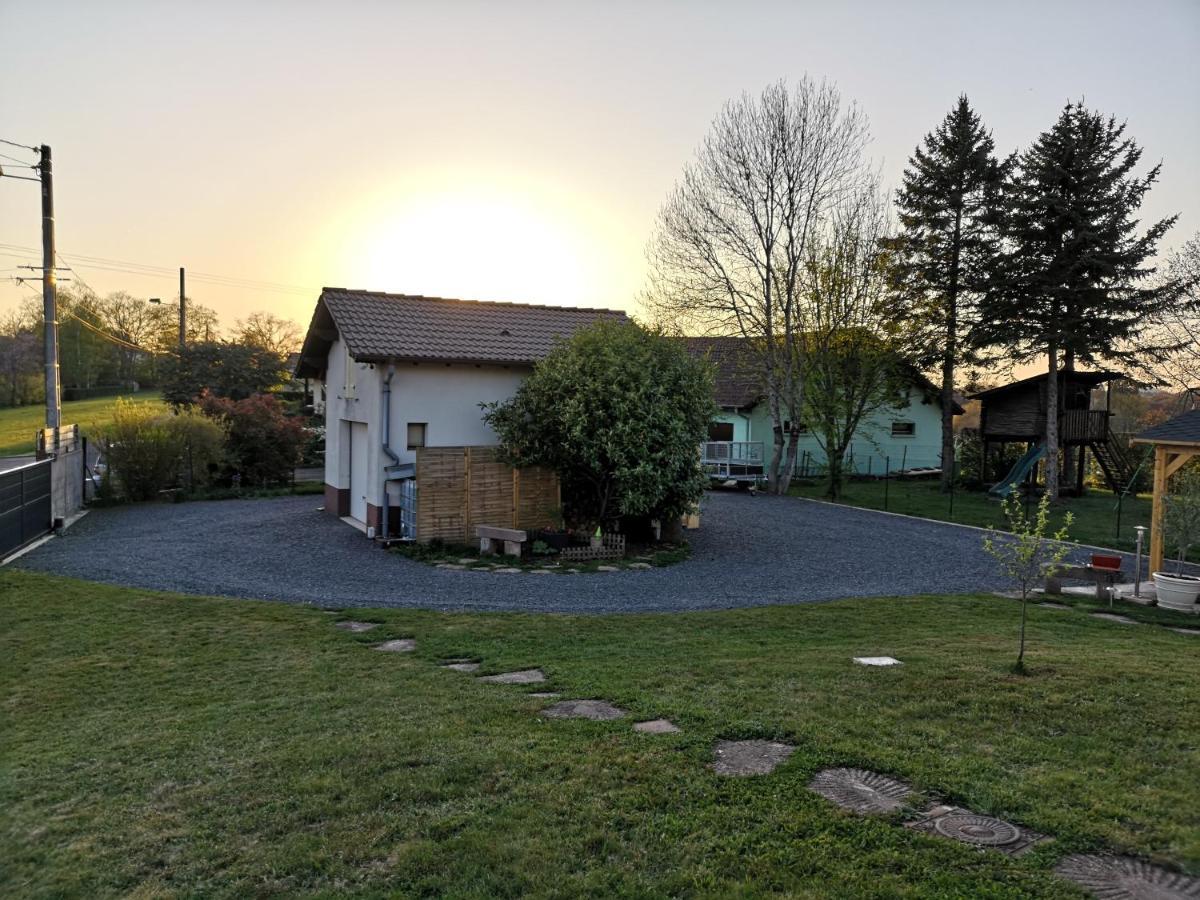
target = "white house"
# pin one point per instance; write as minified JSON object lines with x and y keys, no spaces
{"x":402,"y":372}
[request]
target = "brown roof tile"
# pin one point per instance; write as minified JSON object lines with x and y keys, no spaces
{"x":377,"y":327}
{"x":737,"y":383}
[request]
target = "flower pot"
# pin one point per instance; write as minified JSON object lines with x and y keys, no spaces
{"x":1177,"y":592}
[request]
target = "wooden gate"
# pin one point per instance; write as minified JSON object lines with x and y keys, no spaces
{"x":25,"y":508}
{"x":459,"y":488}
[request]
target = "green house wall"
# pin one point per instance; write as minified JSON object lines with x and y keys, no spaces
{"x":873,"y":448}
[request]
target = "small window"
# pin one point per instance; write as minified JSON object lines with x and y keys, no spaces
{"x":904,"y":429}
{"x":416,"y":435}
{"x":800,"y":429}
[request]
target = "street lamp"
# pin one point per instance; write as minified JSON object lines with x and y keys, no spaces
{"x":182,"y":315}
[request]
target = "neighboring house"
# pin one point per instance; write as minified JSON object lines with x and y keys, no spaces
{"x":908,"y":436}
{"x":402,"y":372}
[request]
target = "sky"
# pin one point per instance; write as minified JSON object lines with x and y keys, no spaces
{"x":501,"y":150}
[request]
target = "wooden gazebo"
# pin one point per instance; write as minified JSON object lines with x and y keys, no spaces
{"x":1175,"y":442}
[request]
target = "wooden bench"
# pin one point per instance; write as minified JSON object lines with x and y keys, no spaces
{"x":490,"y":535}
{"x":1103,"y":578}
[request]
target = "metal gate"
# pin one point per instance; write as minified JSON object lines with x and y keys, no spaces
{"x":25,"y":512}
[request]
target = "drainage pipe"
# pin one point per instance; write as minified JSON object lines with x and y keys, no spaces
{"x":387,"y":448}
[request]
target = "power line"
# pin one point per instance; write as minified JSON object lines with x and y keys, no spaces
{"x":15,"y":144}
{"x":24,"y":164}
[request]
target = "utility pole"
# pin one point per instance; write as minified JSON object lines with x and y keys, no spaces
{"x":182,"y":312}
{"x":49,"y":298}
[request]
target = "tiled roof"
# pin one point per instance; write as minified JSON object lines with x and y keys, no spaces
{"x":738,"y":385}
{"x":1183,"y":429}
{"x":377,"y":327}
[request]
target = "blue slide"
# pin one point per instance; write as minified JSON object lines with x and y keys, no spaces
{"x":1018,"y":471}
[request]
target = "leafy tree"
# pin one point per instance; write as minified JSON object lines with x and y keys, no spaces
{"x":1026,"y":554}
{"x":850,"y":342}
{"x":1181,"y":513}
{"x":1181,"y":323}
{"x":948,"y":246}
{"x":619,"y":412}
{"x":264,"y":444}
{"x":222,"y":369}
{"x":729,"y":250}
{"x":20,"y":360}
{"x":1075,"y":284}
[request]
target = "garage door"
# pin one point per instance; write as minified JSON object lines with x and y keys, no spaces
{"x":358,"y":471}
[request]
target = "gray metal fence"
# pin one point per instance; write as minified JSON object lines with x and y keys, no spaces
{"x":25,"y":505}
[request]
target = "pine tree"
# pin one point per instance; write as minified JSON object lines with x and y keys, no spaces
{"x":947,"y":247}
{"x":1075,"y":284}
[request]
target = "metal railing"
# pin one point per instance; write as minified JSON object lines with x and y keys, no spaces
{"x":732,"y":459}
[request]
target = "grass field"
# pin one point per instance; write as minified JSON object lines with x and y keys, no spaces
{"x":161,"y":745}
{"x":19,"y":425}
{"x":1095,"y":513}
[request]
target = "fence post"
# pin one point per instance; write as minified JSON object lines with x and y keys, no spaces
{"x":516,"y":495}
{"x":953,"y":474}
{"x":887,"y":478}
{"x":904,"y":459}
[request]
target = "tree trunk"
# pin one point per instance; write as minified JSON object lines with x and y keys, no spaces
{"x":834,"y":462}
{"x":1052,"y":423}
{"x":775,"y":473}
{"x":788,"y":469}
{"x":948,"y":360}
{"x":1021,"y":651}
{"x":1071,"y":461}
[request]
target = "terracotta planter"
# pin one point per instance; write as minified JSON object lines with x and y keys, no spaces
{"x":1177,"y":592}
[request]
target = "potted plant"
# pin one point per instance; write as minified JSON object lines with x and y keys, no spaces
{"x":555,"y":534}
{"x":1181,"y":530}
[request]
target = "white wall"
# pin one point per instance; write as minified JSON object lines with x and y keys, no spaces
{"x":445,"y":397}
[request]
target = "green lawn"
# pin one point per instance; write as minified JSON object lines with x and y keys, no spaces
{"x":1095,"y":513}
{"x":19,"y":425}
{"x":161,"y":745}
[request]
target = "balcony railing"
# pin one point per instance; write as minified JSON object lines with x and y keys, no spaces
{"x":1083,"y":425}
{"x":732,"y":459}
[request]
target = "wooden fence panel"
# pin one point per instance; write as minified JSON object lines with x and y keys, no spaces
{"x":459,"y":488}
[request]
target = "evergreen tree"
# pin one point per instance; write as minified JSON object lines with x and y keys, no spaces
{"x":947,"y":247}
{"x":1075,"y":284}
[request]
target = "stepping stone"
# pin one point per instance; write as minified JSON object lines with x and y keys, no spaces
{"x":860,"y":790}
{"x":403,"y":645}
{"x":607,"y":569}
{"x":1194,"y":632}
{"x":356,"y":627}
{"x":640,"y":565}
{"x":467,"y":561}
{"x":544,"y":695}
{"x":540,"y":572}
{"x":656,"y":726}
{"x":524,"y":676}
{"x":508,"y":570}
{"x":461,"y":666}
{"x":597,"y":710}
{"x":877,"y":661}
{"x":1123,"y":878}
{"x":453,"y":566}
{"x":749,"y":757}
{"x":1113,"y":617}
{"x":1049,"y":605}
{"x":968,"y":827}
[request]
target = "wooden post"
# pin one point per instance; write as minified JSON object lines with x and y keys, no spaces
{"x":1156,"y":508}
{"x":467,"y":536}
{"x":516,"y":495}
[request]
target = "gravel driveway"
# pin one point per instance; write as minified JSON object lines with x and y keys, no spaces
{"x":751,"y":550}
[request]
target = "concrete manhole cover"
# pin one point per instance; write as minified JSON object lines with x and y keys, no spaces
{"x":656,"y":726}
{"x":403,"y":645}
{"x":525,"y":676}
{"x":597,"y":710}
{"x":462,"y":666}
{"x":544,"y":695}
{"x":1122,"y":878}
{"x":356,"y":627}
{"x":987,"y":831}
{"x":877,"y":661}
{"x":749,"y":757}
{"x":860,"y":790}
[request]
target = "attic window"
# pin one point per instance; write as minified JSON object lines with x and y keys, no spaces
{"x":904,"y":429}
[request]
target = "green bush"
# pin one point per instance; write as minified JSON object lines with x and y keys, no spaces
{"x":264,"y":445}
{"x":619,"y":412}
{"x":148,"y":451}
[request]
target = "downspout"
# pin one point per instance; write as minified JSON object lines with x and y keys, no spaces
{"x":387,"y":449}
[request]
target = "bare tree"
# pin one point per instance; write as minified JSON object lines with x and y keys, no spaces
{"x":133,"y":320}
{"x":20,"y":359}
{"x":852,"y":345}
{"x":1181,"y":323}
{"x":731,"y":241}
{"x":270,"y":332}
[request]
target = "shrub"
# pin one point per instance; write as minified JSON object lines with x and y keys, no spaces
{"x":148,"y":451}
{"x":264,"y":445}
{"x":619,"y":412}
{"x":1181,"y":514}
{"x":201,"y":446}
